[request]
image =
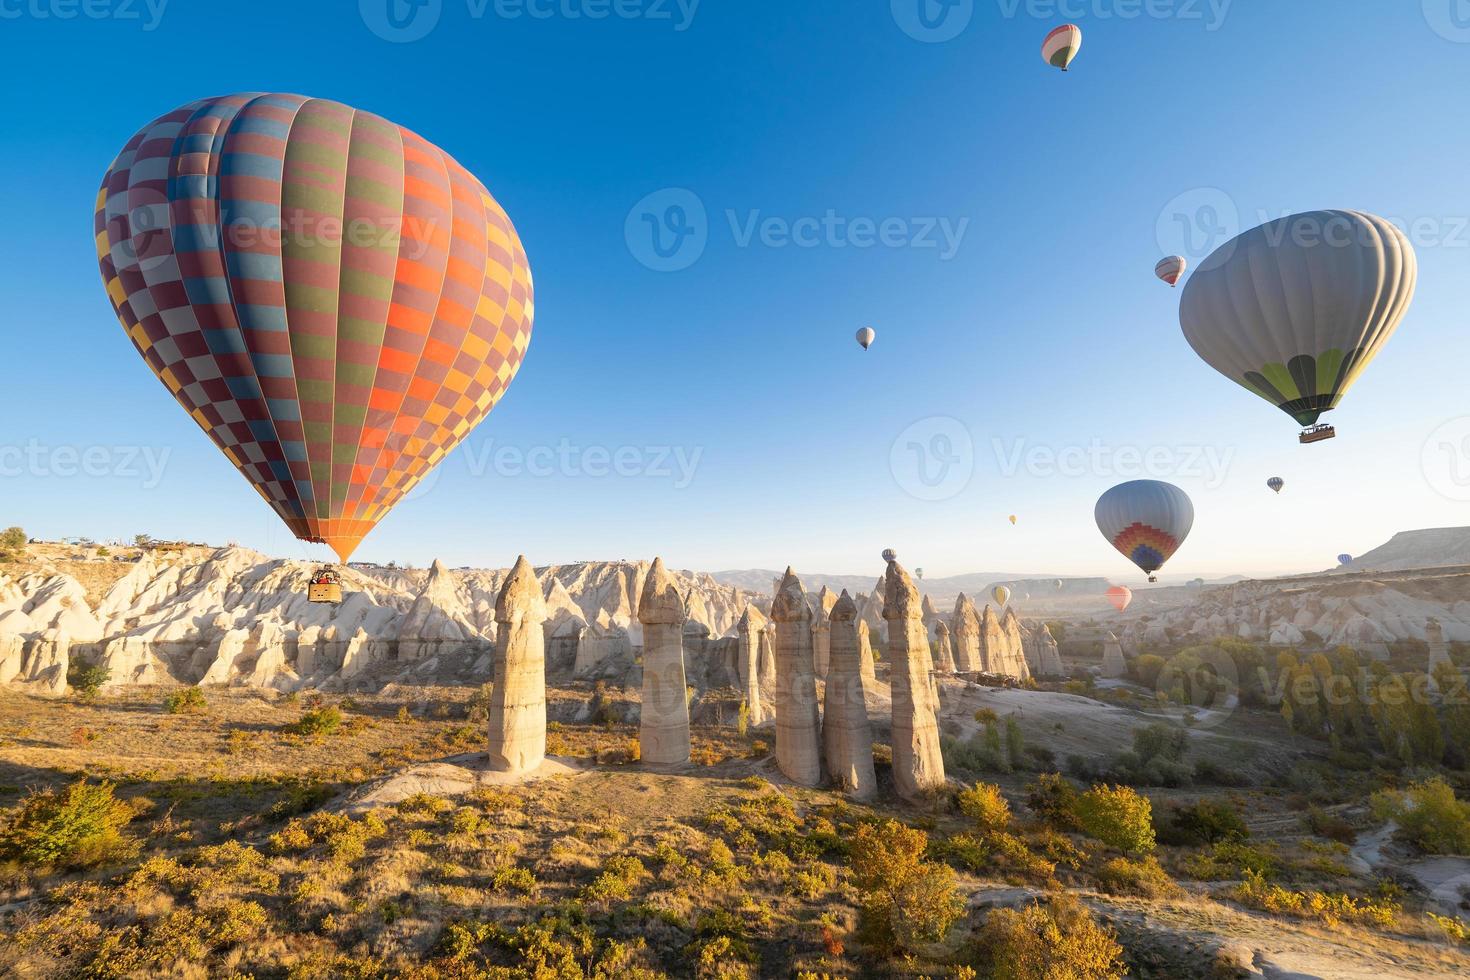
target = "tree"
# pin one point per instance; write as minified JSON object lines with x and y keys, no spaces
{"x":1044,"y":942}
{"x":13,"y":539}
{"x":906,"y":900}
{"x":1119,"y":817}
{"x":985,"y":805}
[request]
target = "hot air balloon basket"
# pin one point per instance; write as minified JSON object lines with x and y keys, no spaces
{"x":324,"y":593}
{"x":1317,"y":433}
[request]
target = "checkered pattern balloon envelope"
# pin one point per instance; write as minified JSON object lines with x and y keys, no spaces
{"x":333,"y":299}
{"x":1146,"y":520}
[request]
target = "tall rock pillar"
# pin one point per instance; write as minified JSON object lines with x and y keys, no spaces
{"x":822,"y":631}
{"x":518,"y":697}
{"x":663,"y":732}
{"x":847,"y":735}
{"x":943,"y":651}
{"x":966,"y":635}
{"x":798,"y":724}
{"x":748,"y":662}
{"x":1113,"y":664}
{"x":918,"y":767}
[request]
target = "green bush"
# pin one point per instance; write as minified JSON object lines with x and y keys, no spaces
{"x":1206,"y":822}
{"x":317,"y":721}
{"x":1052,"y":798}
{"x":1044,"y":942}
{"x":1428,"y":815}
{"x":986,"y":806}
{"x":905,"y":899}
{"x":13,"y":540}
{"x":187,"y":701}
{"x":79,"y":826}
{"x":1119,"y":817}
{"x":1145,"y":877}
{"x":87,"y":679}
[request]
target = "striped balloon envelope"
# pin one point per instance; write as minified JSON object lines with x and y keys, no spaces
{"x":333,"y":299}
{"x":1171,"y":268}
{"x":1061,"y":46}
{"x":1146,"y":520}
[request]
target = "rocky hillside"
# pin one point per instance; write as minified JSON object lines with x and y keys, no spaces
{"x":1428,"y":548}
{"x":234,"y":616}
{"x":1364,"y":610}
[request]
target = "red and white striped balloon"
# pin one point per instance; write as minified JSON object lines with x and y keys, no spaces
{"x":1061,"y":46}
{"x":1171,"y":268}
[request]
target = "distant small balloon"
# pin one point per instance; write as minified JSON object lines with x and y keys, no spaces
{"x":1061,"y":46}
{"x":919,"y":572}
{"x":1013,"y":520}
{"x":1276,"y":483}
{"x":1171,"y":268}
{"x":1001,"y":594}
{"x":1344,"y":559}
{"x":890,"y":555}
{"x":1059,"y":585}
{"x":1121,"y":597}
{"x":866,"y":336}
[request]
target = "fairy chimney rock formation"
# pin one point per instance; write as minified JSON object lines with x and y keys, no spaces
{"x":966,"y":635}
{"x":1013,"y":662}
{"x":943,"y":651}
{"x":822,"y":630}
{"x":918,"y":768}
{"x":1051,"y":657}
{"x":1439,"y":653}
{"x":663,"y":734}
{"x":847,"y":735}
{"x":518,"y":698}
{"x":748,"y":662}
{"x":865,"y":655}
{"x":798,"y":735}
{"x":1113,"y":664}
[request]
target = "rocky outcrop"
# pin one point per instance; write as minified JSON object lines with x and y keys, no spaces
{"x":798,"y":723}
{"x":436,"y":619}
{"x":966,"y":629}
{"x":822,"y":605}
{"x":1000,"y":651}
{"x":1015,"y":652}
{"x":943,"y":651}
{"x":1113,"y":665}
{"x":847,"y":735}
{"x":867,"y":663}
{"x":1050,"y":656}
{"x":1439,"y":653}
{"x":750,"y":629}
{"x":517,"y":728}
{"x":918,"y":767}
{"x":663,"y":733}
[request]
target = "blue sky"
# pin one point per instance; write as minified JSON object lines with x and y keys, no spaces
{"x":1021,"y":212}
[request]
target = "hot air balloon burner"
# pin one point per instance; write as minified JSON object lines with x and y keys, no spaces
{"x":326,"y":586}
{"x":1317,"y":433}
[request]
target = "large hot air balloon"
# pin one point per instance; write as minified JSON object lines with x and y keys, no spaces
{"x":1061,"y":46}
{"x":1276,"y":483}
{"x":866,"y":336}
{"x":1171,"y":268}
{"x":1121,"y":597}
{"x":1295,"y":309}
{"x":1001,"y":594}
{"x":1146,"y":520}
{"x":332,"y":298}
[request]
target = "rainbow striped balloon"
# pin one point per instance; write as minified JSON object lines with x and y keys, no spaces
{"x":333,"y":299}
{"x":1146,"y":520}
{"x":1061,"y":46}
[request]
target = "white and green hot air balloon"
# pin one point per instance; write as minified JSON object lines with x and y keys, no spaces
{"x":1295,"y":309}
